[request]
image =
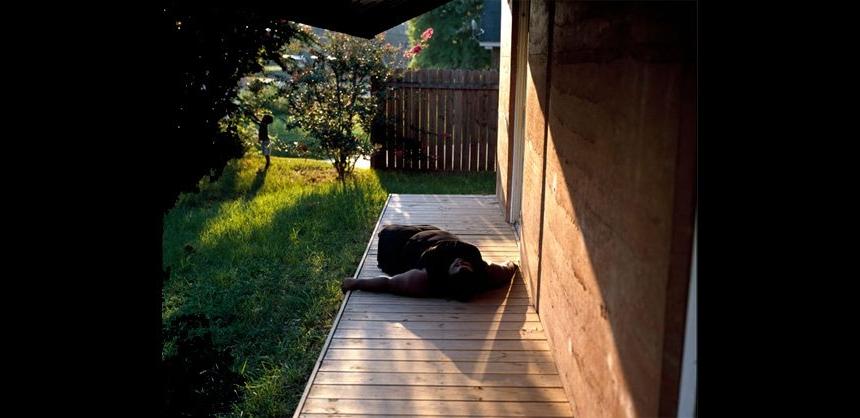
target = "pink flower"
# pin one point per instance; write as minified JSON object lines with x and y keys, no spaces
{"x":415,"y":49}
{"x":427,"y":34}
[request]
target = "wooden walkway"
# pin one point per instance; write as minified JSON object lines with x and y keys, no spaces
{"x":396,"y":356}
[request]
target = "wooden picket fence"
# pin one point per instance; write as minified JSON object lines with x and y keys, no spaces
{"x":438,"y":120}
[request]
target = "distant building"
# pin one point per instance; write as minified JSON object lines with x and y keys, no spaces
{"x":490,"y":30}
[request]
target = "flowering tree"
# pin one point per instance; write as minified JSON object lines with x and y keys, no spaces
{"x":415,"y":50}
{"x":334,"y":91}
{"x":454,"y":43}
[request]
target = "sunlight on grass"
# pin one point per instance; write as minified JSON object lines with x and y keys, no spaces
{"x":239,"y":219}
{"x":261,"y":257}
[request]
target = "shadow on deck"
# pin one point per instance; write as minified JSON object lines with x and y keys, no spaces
{"x":391,"y":355}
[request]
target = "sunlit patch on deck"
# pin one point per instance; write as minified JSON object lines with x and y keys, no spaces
{"x":393,"y":355}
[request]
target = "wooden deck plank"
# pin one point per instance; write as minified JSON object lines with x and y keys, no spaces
{"x":430,"y":308}
{"x":468,"y":393}
{"x":438,"y":408}
{"x":438,"y":355}
{"x":412,"y":317}
{"x":438,"y":334}
{"x":517,"y":291}
{"x":473,"y":335}
{"x":497,"y":297}
{"x":439,"y":302}
{"x":455,"y":367}
{"x":442,"y":303}
{"x":382,"y":416}
{"x":429,"y":344}
{"x":436,"y":379}
{"x":390,"y":355}
{"x":442,"y":326}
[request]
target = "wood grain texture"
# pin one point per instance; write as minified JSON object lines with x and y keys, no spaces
{"x":397,"y":356}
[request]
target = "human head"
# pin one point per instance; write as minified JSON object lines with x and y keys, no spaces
{"x":460,"y":266}
{"x":463,"y":281}
{"x":268,"y":119}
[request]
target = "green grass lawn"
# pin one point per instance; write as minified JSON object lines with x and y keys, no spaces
{"x":255,"y":263}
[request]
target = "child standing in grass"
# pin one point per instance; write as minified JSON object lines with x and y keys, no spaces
{"x":265,"y":143}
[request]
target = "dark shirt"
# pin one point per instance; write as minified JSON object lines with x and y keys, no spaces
{"x":264,"y":132}
{"x":406,"y":247}
{"x":392,"y":242}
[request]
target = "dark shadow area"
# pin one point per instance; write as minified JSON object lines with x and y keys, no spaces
{"x":259,"y":180}
{"x":198,"y":379}
{"x":213,"y":190}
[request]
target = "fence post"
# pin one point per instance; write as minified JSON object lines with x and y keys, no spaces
{"x":377,"y":131}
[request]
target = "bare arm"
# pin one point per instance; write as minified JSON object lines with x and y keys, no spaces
{"x":250,"y":114}
{"x":412,"y":283}
{"x":501,"y":275}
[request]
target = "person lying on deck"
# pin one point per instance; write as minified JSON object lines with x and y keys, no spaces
{"x":425,"y":261}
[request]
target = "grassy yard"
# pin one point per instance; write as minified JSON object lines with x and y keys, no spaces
{"x":255,"y":263}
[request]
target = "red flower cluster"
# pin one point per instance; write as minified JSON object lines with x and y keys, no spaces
{"x":415,"y":50}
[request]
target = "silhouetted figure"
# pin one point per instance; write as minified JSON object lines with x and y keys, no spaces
{"x":425,"y":261}
{"x":265,"y":143}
